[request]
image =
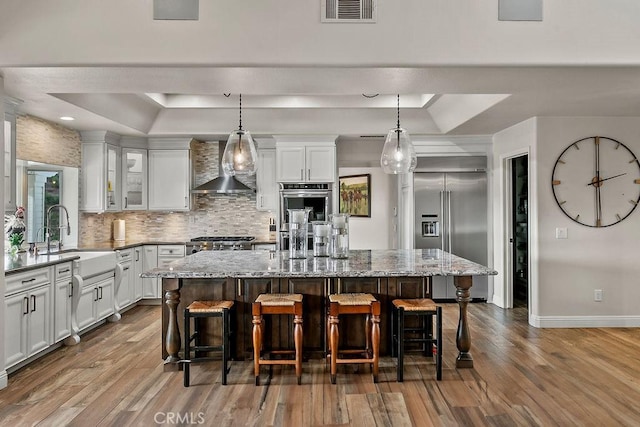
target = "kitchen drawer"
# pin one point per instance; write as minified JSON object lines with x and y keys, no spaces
{"x":26,"y":280}
{"x":62,"y":271}
{"x":124,"y":255}
{"x":175,"y":251}
{"x":164,"y":262}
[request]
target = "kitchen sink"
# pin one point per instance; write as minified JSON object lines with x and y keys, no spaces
{"x":91,"y":263}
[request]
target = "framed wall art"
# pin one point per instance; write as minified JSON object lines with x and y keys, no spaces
{"x":355,"y":195}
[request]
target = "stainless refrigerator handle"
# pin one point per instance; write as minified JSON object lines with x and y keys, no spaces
{"x":449,"y":249}
{"x":443,"y":227}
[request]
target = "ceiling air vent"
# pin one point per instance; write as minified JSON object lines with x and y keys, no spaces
{"x":348,"y":10}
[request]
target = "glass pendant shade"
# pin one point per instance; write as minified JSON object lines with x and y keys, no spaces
{"x":240,"y":155}
{"x":398,"y":154}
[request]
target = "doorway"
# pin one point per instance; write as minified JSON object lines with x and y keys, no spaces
{"x":520,"y":231}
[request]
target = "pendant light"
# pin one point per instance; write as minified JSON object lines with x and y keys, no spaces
{"x":240,"y":156}
{"x":398,"y":153}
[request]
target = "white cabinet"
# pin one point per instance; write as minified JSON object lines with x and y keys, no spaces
{"x":137,"y":271}
{"x":266,"y":186}
{"x":100,"y":172}
{"x":169,"y":180}
{"x":134,"y":179}
{"x":62,"y":298}
{"x":27,"y":323}
{"x":124,"y":278}
{"x":9,"y":158}
{"x":150,"y":285}
{"x":96,"y":300}
{"x":305,"y":163}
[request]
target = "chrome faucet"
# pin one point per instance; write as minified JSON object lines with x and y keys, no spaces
{"x":48,"y":226}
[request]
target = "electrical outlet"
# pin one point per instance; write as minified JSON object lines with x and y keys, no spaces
{"x":561,"y":232}
{"x":597,"y":295}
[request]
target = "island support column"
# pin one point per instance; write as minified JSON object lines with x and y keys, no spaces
{"x":172,"y":337}
{"x":463,"y":337}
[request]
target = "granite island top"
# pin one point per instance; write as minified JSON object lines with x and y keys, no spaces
{"x":361,"y":263}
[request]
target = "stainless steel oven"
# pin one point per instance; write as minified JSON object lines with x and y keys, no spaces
{"x":317,"y":197}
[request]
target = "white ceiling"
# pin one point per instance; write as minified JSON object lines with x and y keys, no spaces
{"x":191,"y":101}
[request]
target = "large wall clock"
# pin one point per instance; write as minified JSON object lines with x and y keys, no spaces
{"x":596,"y":181}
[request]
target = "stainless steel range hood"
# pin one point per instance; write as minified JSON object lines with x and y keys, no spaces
{"x":223,"y":184}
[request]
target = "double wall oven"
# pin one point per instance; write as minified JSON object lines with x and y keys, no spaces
{"x":316,"y":197}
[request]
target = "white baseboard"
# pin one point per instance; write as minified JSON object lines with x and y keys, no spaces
{"x":4,"y":379}
{"x":585,"y":321}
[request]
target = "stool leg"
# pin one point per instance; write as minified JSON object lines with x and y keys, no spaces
{"x":225,"y":344}
{"x":367,"y":334}
{"x":375,"y":337}
{"x":187,"y":349}
{"x":297,"y":337}
{"x":257,"y":340}
{"x":333,"y":345}
{"x":400,"y":333}
{"x":439,"y":343}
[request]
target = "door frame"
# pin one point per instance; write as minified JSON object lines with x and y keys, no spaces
{"x":506,"y":161}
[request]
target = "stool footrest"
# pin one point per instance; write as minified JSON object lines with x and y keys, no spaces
{"x":348,"y":361}
{"x":278,"y":361}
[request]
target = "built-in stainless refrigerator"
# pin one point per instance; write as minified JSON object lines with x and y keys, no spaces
{"x":451,"y":214}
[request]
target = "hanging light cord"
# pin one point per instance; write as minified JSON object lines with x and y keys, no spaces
{"x":241,"y":112}
{"x":398,"y":127}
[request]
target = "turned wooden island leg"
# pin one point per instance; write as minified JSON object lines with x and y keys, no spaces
{"x":463,"y":338}
{"x":172,"y":338}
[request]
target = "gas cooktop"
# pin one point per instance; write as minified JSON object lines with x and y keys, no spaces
{"x":223,"y":239}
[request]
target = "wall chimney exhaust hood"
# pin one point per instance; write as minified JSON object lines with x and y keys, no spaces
{"x":223,"y":184}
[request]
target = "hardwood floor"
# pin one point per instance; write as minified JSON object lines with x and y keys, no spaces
{"x":522,"y":376}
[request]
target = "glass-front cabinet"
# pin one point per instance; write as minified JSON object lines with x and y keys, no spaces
{"x":101,"y":157}
{"x":134,"y":179}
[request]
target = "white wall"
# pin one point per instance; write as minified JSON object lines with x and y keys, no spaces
{"x":3,"y":372}
{"x":378,"y":231}
{"x":512,"y":142}
{"x":285,"y":32}
{"x":565,"y":272}
{"x":591,"y":258}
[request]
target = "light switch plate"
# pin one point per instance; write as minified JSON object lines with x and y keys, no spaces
{"x":561,"y":232}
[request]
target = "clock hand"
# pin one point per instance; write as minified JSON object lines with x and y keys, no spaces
{"x":604,"y":179}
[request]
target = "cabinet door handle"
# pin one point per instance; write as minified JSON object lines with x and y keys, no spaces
{"x":308,"y":174}
{"x":125,"y":269}
{"x":100,"y":287}
{"x":186,"y":203}
{"x":126,"y":202}
{"x":96,"y":298}
{"x":301,"y":174}
{"x":66,"y":270}
{"x":33,"y":300}
{"x":30,"y":280}
{"x":239,"y":287}
{"x":25,"y":305}
{"x":70,"y":289}
{"x":137,"y":255}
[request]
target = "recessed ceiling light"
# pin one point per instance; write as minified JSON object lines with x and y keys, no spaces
{"x":67,"y":118}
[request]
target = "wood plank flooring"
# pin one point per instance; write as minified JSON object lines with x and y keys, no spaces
{"x":523,"y":376}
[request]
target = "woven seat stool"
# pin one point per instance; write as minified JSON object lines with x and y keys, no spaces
{"x":199,"y":310}
{"x":354,"y":303}
{"x":290,"y":304}
{"x":426,"y":308}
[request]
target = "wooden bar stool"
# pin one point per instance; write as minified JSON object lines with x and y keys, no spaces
{"x":198,"y":310}
{"x":426,"y":308}
{"x":355,"y":303}
{"x":277,"y":304}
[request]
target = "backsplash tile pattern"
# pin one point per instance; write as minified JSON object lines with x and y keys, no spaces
{"x":42,"y":141}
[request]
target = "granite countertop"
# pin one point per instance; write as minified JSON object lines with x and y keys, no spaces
{"x":361,"y":263}
{"x":28,"y":261}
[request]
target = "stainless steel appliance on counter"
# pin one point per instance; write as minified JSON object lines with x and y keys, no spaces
{"x":450,"y":202}
{"x":317,"y":197}
{"x":219,"y":243}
